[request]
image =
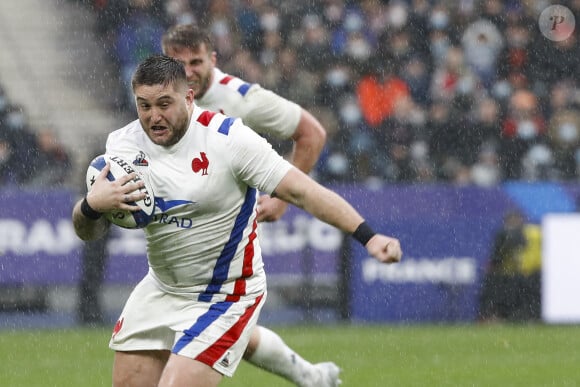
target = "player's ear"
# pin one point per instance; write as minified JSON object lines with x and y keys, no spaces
{"x":189,"y":97}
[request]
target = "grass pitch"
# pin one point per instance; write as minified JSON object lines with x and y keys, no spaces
{"x":370,"y":356}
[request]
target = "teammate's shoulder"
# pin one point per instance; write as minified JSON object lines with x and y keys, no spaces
{"x":232,"y":83}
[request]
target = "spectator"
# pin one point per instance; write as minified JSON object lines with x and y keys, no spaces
{"x":494,"y":12}
{"x":538,"y":163}
{"x":109,"y":16}
{"x":179,"y":12}
{"x":136,"y":38}
{"x":454,"y":141}
{"x":246,"y":65}
{"x":451,"y":77}
{"x":424,"y":171}
{"x":53,"y":161}
{"x":358,"y":140}
{"x":523,"y":127}
{"x":438,"y":38}
{"x":250,"y":26}
{"x":332,"y":13}
{"x":380,"y":16}
{"x":336,"y":85}
{"x":415,"y":73}
{"x":222,"y":24}
{"x":268,"y":55}
{"x":564,"y":134}
{"x":554,"y":61}
{"x":482,"y":43}
{"x":439,"y":122}
{"x":562,"y":96}
{"x":296,"y":83}
{"x":486,"y":172}
{"x":4,"y":102}
{"x":21,"y":138}
{"x":314,"y":50}
{"x":399,"y":45}
{"x":401,"y":134}
{"x":484,"y":128}
{"x":334,"y":164}
{"x":379,"y":90}
{"x":353,"y":38}
{"x":515,"y":56}
{"x":418,"y":24}
{"x":6,"y":162}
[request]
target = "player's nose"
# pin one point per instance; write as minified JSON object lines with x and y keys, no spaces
{"x":189,"y":72}
{"x":156,"y":116}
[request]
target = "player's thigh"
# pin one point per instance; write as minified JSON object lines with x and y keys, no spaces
{"x":182,"y":371}
{"x":253,"y":343}
{"x":138,"y":368}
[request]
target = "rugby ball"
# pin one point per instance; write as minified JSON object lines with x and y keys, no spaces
{"x":121,"y":167}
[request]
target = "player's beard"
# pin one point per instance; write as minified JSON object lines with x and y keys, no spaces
{"x":171,"y":134}
{"x":201,"y":88}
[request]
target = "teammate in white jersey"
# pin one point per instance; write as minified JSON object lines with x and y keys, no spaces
{"x":188,"y":322}
{"x":270,"y":114}
{"x":260,"y":109}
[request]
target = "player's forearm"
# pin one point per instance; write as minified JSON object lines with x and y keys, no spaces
{"x":324,"y":204}
{"x":309,"y":139}
{"x":88,"y":229}
{"x":331,"y":208}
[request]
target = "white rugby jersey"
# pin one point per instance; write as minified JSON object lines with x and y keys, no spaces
{"x":259,"y":108}
{"x":203,"y":238}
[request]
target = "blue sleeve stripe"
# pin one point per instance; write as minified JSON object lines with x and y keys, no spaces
{"x":243,"y":89}
{"x":225,"y":126}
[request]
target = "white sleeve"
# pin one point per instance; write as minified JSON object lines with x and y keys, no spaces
{"x":268,"y":113}
{"x":254,"y":161}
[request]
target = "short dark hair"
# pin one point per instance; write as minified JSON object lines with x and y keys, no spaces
{"x":186,"y":35}
{"x":159,"y":70}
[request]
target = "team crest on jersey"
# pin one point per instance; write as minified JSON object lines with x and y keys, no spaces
{"x":141,"y":160}
{"x":200,"y":164}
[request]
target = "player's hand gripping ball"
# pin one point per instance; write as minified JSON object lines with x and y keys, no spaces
{"x":121,"y":167}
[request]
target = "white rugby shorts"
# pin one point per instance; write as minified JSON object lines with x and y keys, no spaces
{"x":214,"y":333}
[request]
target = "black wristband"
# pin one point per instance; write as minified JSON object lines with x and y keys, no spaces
{"x":88,"y":211}
{"x":363,"y":233}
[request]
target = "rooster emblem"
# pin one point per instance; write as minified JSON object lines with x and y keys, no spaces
{"x":198,"y":164}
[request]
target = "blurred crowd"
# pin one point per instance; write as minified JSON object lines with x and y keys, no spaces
{"x":464,"y":91}
{"x":458,"y":91}
{"x":29,"y":157}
